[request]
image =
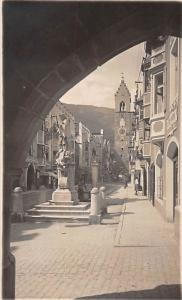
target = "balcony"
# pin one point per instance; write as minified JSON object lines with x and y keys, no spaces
{"x":157,"y":128}
{"x":146,"y":149}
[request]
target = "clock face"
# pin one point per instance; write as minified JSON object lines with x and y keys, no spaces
{"x":122,"y":131}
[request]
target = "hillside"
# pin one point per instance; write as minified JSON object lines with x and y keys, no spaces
{"x":94,"y":118}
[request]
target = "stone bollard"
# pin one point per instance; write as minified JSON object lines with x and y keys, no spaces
{"x":17,"y":205}
{"x":42,"y":198}
{"x":95,"y":174}
{"x":95,"y":216}
{"x":103,"y":203}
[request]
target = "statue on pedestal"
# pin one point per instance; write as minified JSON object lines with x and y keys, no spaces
{"x":63,"y":157}
{"x":64,"y":160}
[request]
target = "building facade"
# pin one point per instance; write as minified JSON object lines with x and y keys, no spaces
{"x":40,"y":165}
{"x":159,"y":132}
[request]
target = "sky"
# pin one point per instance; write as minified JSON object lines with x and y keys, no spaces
{"x":100,"y":86}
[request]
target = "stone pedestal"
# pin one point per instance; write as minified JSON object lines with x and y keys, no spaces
{"x":95,"y":216}
{"x":61,"y":195}
{"x":66,"y":191}
{"x":95,"y":174}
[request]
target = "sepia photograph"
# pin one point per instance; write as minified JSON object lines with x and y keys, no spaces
{"x":91,"y":149}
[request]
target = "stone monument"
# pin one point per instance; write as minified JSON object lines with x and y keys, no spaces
{"x":65,"y":164}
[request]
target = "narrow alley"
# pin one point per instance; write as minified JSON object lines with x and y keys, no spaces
{"x":131,"y":254}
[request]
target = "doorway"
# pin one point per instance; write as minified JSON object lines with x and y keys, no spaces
{"x":30,"y":177}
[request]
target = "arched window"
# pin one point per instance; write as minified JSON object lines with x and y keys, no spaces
{"x":122,"y":106}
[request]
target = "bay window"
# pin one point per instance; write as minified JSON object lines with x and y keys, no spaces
{"x":158,"y":93}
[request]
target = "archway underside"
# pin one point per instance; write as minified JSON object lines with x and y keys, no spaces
{"x":58,"y":45}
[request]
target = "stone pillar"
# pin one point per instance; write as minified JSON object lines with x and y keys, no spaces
{"x":71,"y":183}
{"x":8,"y":272}
{"x":103,"y":204}
{"x":17,"y":204}
{"x":95,"y":217}
{"x":95,"y":174}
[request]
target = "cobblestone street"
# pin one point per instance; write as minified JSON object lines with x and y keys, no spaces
{"x":132,"y":254}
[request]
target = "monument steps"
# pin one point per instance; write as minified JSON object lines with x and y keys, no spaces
{"x":55,"y":218}
{"x":77,"y":207}
{"x":59,"y":212}
{"x":67,"y":203}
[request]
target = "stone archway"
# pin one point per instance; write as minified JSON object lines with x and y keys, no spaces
{"x":172,"y":186}
{"x":39,"y":67}
{"x":48,"y":48}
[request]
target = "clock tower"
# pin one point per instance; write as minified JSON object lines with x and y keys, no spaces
{"x":123,"y":123}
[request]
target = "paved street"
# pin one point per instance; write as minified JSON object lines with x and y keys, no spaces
{"x":132,"y":254}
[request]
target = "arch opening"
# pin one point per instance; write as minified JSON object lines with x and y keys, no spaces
{"x":39,"y":68}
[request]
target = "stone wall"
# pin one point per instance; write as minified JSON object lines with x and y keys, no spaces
{"x":35,"y":197}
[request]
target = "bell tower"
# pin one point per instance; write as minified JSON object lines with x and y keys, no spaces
{"x":123,"y":123}
{"x":122,"y":97}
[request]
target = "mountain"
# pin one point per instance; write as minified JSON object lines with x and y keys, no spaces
{"x":94,"y":118}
